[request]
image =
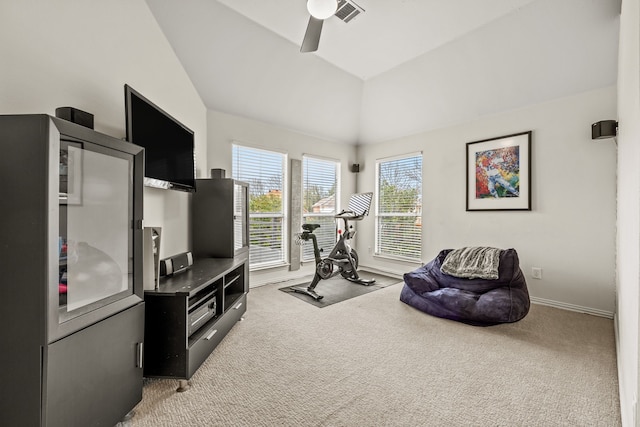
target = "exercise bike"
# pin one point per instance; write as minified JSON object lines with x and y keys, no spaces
{"x":342,"y":259}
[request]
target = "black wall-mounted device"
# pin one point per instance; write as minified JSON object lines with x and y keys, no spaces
{"x":218,"y":173}
{"x":75,"y":116}
{"x":355,"y":168}
{"x":604,"y":129}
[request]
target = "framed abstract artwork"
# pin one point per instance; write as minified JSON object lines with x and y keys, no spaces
{"x":499,"y":173}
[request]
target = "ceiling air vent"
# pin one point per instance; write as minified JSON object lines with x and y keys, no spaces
{"x":347,"y":10}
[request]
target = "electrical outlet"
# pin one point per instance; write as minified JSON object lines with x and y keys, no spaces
{"x":536,"y":272}
{"x":370,"y":252}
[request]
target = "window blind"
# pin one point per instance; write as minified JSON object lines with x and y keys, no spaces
{"x":264,"y":171}
{"x":399,"y":207}
{"x":320,"y":201}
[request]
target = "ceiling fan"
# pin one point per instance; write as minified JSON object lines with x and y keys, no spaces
{"x":319,"y":10}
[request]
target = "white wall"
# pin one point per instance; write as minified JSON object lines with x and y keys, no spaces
{"x":570,"y":232}
{"x":227,"y":129}
{"x":242,"y":68}
{"x":543,"y":51}
{"x":80,"y":54}
{"x":628,"y":246}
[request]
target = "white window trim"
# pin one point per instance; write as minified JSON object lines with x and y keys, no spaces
{"x":338,"y":165}
{"x":377,"y":213}
{"x":285,"y":206}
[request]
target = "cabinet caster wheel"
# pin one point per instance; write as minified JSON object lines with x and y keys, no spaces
{"x":183,"y":385}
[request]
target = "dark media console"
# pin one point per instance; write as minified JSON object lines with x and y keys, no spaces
{"x":200,"y":298}
{"x":190,"y":313}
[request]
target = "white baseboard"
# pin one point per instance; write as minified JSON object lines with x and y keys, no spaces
{"x":254,"y":283}
{"x":386,"y":272}
{"x":572,"y":307}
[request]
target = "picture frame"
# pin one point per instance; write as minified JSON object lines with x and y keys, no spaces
{"x":499,"y":173}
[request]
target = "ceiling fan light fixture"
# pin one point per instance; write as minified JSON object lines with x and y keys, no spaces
{"x":322,"y":9}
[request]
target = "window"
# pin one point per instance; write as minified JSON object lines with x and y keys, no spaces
{"x":264,"y":171}
{"x":320,"y":201}
{"x":399,"y":207}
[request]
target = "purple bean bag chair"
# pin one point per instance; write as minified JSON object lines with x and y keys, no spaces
{"x":478,"y":302}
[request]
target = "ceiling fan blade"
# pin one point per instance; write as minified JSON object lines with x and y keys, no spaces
{"x":312,"y":35}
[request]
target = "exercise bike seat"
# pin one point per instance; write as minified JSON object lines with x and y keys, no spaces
{"x":310,"y":227}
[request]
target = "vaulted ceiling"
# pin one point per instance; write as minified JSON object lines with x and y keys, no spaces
{"x":400,"y":67}
{"x":386,"y":34}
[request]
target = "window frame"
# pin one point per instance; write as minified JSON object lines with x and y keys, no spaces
{"x":281,"y":216}
{"x":417,"y":214}
{"x":309,"y":251}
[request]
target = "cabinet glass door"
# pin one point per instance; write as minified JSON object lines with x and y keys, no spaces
{"x":95,"y":243}
{"x":240,"y":216}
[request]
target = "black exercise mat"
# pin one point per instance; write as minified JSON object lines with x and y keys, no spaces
{"x":339,"y":289}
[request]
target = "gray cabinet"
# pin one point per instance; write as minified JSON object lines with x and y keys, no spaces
{"x":220,"y":217}
{"x":94,"y":377}
{"x":71,"y":307}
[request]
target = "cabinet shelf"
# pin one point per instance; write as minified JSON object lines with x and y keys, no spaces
{"x":201,"y":297}
{"x":231,"y":299}
{"x":231,"y":281}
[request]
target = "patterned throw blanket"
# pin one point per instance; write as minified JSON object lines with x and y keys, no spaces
{"x":472,"y":263}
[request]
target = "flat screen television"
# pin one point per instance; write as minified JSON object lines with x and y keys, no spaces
{"x":168,"y":144}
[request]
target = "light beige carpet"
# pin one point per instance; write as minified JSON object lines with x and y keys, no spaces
{"x":374,"y":361}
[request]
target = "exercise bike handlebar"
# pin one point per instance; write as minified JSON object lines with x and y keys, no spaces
{"x":349,"y":215}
